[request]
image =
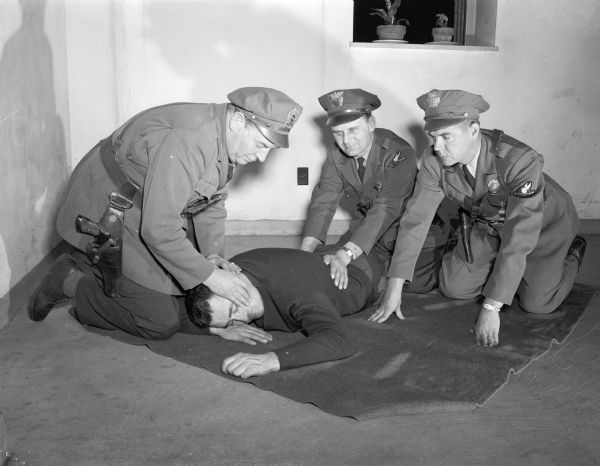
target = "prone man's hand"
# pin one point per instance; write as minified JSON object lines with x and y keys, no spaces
{"x":239,"y":331}
{"x":391,"y":302}
{"x":246,"y":365}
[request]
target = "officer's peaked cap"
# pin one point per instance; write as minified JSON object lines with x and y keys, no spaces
{"x":448,"y":107}
{"x":273,"y":112}
{"x":346,"y":105}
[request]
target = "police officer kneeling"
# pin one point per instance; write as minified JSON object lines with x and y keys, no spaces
{"x":147,"y":206}
{"x":519,"y":225}
{"x":369,"y":172}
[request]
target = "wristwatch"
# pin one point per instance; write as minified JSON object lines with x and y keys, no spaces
{"x":489,"y":307}
{"x":348,"y":252}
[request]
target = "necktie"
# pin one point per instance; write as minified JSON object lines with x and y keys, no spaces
{"x":361,"y":167}
{"x":470,"y":179}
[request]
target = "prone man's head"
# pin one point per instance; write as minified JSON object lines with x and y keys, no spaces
{"x":197,"y":305}
{"x":207,"y":309}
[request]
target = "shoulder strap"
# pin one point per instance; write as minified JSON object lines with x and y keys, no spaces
{"x":496,"y":136}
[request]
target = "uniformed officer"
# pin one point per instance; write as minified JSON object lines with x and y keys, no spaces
{"x":519,"y":225}
{"x":369,"y":172}
{"x":148,"y":203}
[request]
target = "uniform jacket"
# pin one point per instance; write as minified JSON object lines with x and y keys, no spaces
{"x":520,"y":201}
{"x":299,"y":295}
{"x":388,"y":181}
{"x":178,"y":154}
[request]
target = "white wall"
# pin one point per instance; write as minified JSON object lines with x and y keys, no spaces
{"x":542,"y":85}
{"x":33,"y":133}
{"x":125,"y":56}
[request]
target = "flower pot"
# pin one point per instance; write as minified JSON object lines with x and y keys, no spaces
{"x":391,"y":31}
{"x":442,"y":34}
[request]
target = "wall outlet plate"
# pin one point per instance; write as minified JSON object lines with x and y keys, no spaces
{"x":302,"y":176}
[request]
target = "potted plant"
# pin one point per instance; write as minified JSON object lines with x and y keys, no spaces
{"x":393,"y":29}
{"x":441,"y":32}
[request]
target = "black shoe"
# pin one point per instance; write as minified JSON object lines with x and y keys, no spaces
{"x":577,"y":249}
{"x":50,"y":292}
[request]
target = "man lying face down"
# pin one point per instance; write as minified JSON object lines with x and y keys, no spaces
{"x":292,"y":291}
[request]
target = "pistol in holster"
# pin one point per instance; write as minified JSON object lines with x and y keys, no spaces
{"x":106,"y":249}
{"x":465,"y":228}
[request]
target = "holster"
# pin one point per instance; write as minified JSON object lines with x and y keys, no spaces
{"x":106,"y":250}
{"x":108,"y":256}
{"x":465,"y":228}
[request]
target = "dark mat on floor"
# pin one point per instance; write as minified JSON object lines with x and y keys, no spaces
{"x":426,"y":363}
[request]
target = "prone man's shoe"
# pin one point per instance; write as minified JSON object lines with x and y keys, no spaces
{"x":50,"y":292}
{"x":577,"y":248}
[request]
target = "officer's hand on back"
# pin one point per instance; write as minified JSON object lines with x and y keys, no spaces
{"x":338,"y":270}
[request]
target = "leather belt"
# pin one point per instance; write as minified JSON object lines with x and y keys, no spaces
{"x":125,"y":186}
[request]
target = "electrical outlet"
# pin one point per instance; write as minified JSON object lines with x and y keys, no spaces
{"x":302,"y":176}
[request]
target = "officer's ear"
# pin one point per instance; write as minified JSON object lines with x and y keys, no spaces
{"x":474,"y":128}
{"x":371,"y":122}
{"x":237,"y":121}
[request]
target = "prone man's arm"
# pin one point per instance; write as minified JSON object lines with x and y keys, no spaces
{"x":326,"y":340}
{"x":326,"y":336}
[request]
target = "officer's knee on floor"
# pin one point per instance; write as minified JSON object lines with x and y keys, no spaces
{"x":454,"y":292}
{"x":535,"y":305}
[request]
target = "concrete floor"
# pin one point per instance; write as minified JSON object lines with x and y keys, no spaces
{"x":70,"y":397}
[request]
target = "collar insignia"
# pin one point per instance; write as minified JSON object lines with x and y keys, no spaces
{"x":524,"y":190}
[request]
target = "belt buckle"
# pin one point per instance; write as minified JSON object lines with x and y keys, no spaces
{"x":119,"y":202}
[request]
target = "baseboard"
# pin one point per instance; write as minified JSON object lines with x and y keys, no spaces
{"x":19,"y":295}
{"x":338,"y":227}
{"x":590,"y":226}
{"x":277,"y":227}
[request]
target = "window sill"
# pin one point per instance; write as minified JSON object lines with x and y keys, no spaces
{"x":461,"y":48}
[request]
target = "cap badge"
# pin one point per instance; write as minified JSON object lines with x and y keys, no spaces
{"x":337,"y":98}
{"x":493,"y":187}
{"x":291,"y":118}
{"x":524,"y":190}
{"x":433,"y":98}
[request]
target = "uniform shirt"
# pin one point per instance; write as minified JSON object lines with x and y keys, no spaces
{"x":178,"y":154}
{"x":299,"y":295}
{"x":376,"y":203}
{"x":526,"y":203}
